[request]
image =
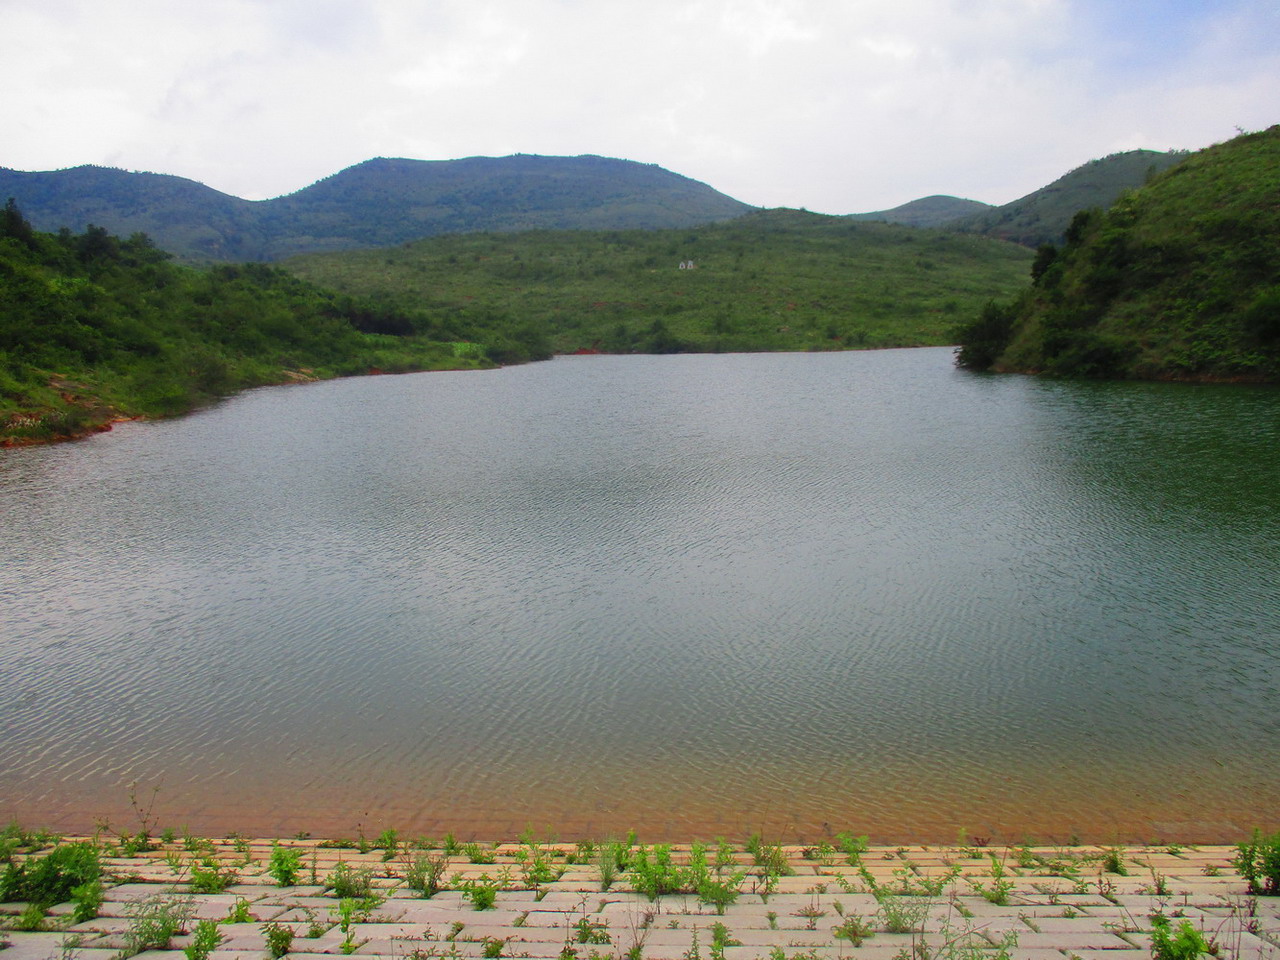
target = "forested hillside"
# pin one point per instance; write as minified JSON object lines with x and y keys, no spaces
{"x":377,"y":203}
{"x":1043,"y":216}
{"x":94,"y":327}
{"x":1177,"y":280}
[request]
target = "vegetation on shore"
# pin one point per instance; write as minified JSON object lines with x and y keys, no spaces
{"x":95,"y":328}
{"x":301,"y":890}
{"x":1178,"y":280}
{"x":770,"y":280}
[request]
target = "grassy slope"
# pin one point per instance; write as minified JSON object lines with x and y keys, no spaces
{"x":93,"y":328}
{"x":1043,"y":216}
{"x":772,"y":280}
{"x":1177,"y":280}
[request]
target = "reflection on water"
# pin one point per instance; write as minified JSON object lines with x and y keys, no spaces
{"x":691,"y":595}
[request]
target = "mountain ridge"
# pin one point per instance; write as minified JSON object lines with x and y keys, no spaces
{"x":1043,"y":215}
{"x":933,"y":211}
{"x":379,"y":202}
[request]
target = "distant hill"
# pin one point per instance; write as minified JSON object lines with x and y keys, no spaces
{"x":1043,"y":216}
{"x":377,"y":203}
{"x":926,"y":212}
{"x":180,"y":215}
{"x":1177,"y":280}
{"x":769,"y":280}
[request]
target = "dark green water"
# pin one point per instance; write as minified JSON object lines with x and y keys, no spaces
{"x":691,"y":595}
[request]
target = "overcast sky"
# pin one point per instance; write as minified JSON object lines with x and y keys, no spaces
{"x":839,"y":106}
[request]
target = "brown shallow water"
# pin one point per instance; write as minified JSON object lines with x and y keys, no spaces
{"x":686,"y":595}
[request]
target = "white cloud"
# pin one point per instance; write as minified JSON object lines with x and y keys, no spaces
{"x":836,"y":106}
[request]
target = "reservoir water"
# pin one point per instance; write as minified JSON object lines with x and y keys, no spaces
{"x":690,"y":595}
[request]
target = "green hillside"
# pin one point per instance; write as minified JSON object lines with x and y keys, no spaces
{"x":94,"y":328}
{"x":380,"y":202}
{"x":1043,"y":216}
{"x":771,"y":280}
{"x":1178,"y":280}
{"x":932,"y":211}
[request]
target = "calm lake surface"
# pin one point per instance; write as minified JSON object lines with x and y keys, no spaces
{"x":694,"y":595}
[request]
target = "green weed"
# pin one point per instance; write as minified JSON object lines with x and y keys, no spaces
{"x":475,"y":853}
{"x":350,"y":883}
{"x":1187,"y":943}
{"x":482,"y":892}
{"x":424,"y":873}
{"x":279,"y":938}
{"x":239,"y":912}
{"x":587,"y":931}
{"x":154,"y":922}
{"x":1113,"y":861}
{"x":205,"y":940}
{"x":1258,"y":861}
{"x":87,"y":900}
{"x":49,"y":880}
{"x":285,"y":865}
{"x":853,"y":847}
{"x":209,"y":876}
{"x":854,"y":929}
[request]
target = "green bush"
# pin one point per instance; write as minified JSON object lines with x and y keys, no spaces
{"x":348,"y":883}
{"x":1258,"y":861}
{"x":279,"y":939}
{"x":206,"y":939}
{"x":654,"y":873}
{"x":482,"y":892}
{"x":425,"y":873}
{"x":50,"y":879}
{"x":1187,"y":944}
{"x":285,"y":864}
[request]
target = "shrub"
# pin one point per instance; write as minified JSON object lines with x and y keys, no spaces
{"x":285,"y":864}
{"x":1187,"y":944}
{"x":654,"y":873}
{"x":50,"y":879}
{"x":1258,"y":861}
{"x":87,"y":898}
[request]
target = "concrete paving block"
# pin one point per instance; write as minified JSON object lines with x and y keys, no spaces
{"x":1063,"y":925}
{"x":100,"y":924}
{"x":1082,"y":940}
{"x":1093,"y":953}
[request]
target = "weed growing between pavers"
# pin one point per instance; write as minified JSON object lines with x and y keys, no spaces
{"x":1258,"y":861}
{"x":350,"y":883}
{"x":279,"y":939}
{"x":424,"y":873}
{"x":285,"y":865}
{"x":154,"y":922}
{"x":205,"y":941}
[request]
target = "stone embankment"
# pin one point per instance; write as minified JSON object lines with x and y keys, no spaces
{"x":955,"y":903}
